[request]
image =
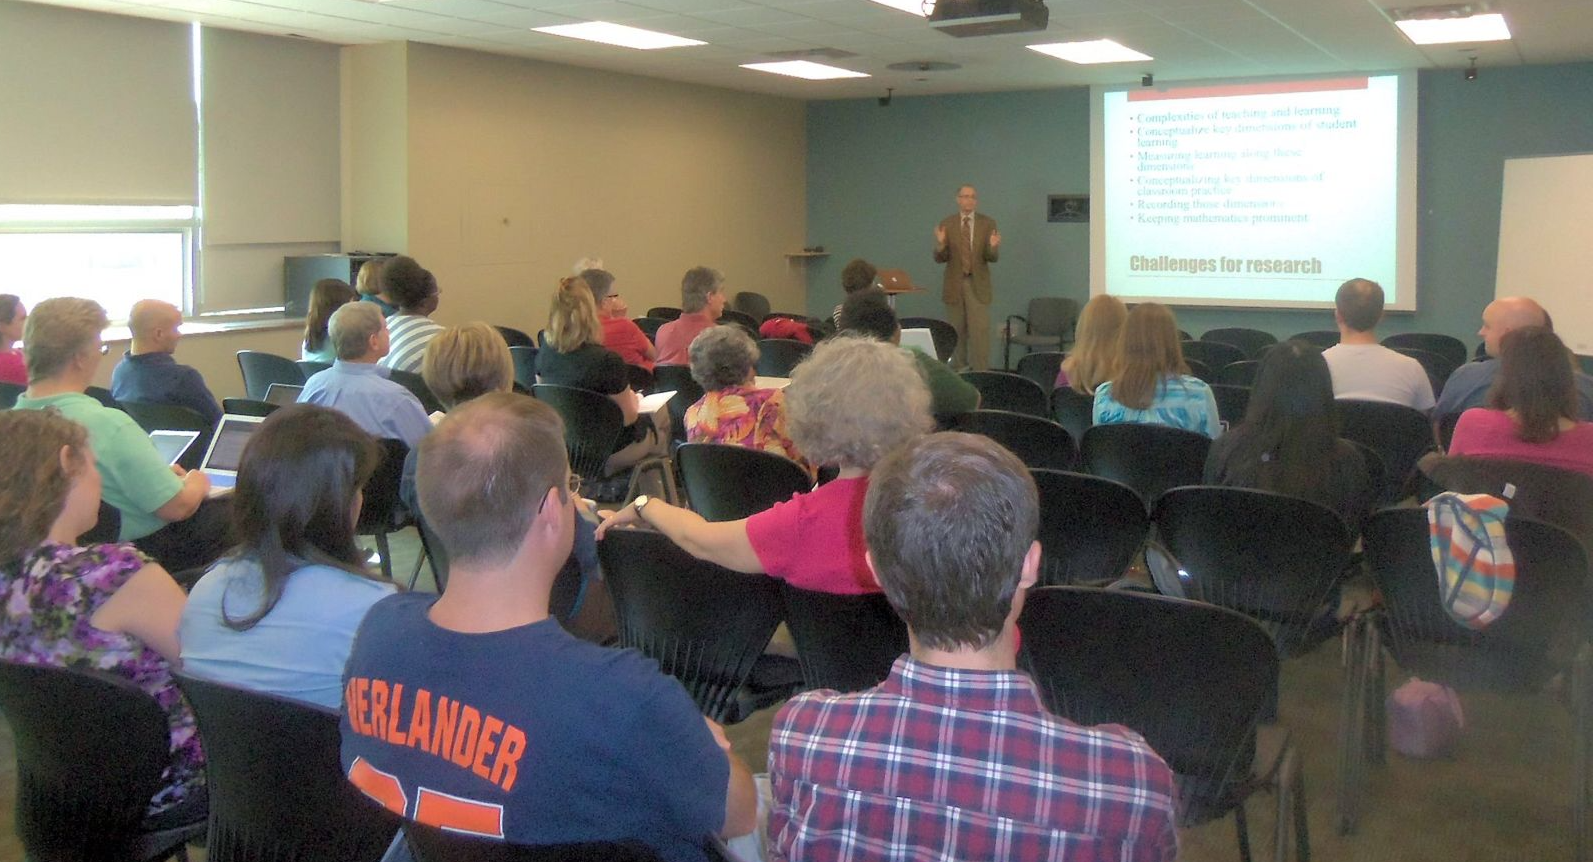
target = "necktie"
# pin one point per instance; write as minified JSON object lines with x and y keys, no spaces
{"x":967,"y":243}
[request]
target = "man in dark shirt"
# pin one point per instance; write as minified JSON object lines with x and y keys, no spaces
{"x":149,"y":375}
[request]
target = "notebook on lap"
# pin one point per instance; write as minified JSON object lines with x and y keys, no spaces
{"x":226,"y":450}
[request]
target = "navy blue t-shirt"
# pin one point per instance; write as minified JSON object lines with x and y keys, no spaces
{"x":528,"y":734}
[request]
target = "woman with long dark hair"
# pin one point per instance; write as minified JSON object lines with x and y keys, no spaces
{"x":1288,"y":440}
{"x":1532,"y":407}
{"x":328,"y":295}
{"x":279,"y":613}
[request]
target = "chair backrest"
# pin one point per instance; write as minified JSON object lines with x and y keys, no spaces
{"x":276,"y":787}
{"x":1041,"y":367}
{"x":687,"y":393}
{"x":1253,"y":342}
{"x":569,"y":586}
{"x":592,"y":425}
{"x":525,"y":365}
{"x":90,"y":750}
{"x":649,"y":326}
{"x":1053,"y":315}
{"x":1274,"y":558}
{"x":381,"y":507}
{"x":104,"y":396}
{"x":1400,"y":434}
{"x":728,"y":483}
{"x":1548,"y":607}
{"x":9,"y":393}
{"x":427,"y":844}
{"x":1200,"y":370}
{"x":1437,"y":366}
{"x":745,"y":321}
{"x":1036,"y":441}
{"x":1215,"y":354}
{"x":1003,"y":390}
{"x":174,"y":417}
{"x":261,"y":369}
{"x":1447,"y":346}
{"x":751,"y":303}
{"x":1232,"y":402}
{"x":311,"y":367}
{"x":1090,"y":528}
{"x":1148,"y":458}
{"x":248,"y":406}
{"x":943,"y":333}
{"x":705,"y":625}
{"x":515,"y":337}
{"x":1563,"y":498}
{"x":1192,"y":679}
{"x":1242,"y":373}
{"x":640,"y":378}
{"x":778,"y":356}
{"x":1318,"y":338}
{"x":664,"y":312}
{"x":418,"y":388}
{"x":845,"y":643}
{"x":1074,"y":411}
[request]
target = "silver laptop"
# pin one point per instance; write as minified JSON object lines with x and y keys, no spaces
{"x":920,"y":338}
{"x":173,"y":445}
{"x":226,"y":450}
{"x":283,"y":394}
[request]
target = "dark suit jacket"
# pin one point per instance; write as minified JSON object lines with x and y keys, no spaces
{"x":955,"y":252}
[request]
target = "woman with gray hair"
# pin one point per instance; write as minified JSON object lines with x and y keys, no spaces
{"x":733,"y":409}
{"x":814,"y":540}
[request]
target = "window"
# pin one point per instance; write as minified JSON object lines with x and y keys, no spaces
{"x":114,"y":255}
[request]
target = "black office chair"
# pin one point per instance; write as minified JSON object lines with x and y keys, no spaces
{"x":728,"y":483}
{"x":1399,"y":435}
{"x":1543,"y":627}
{"x":103,"y":396}
{"x":418,"y":388}
{"x":1447,"y":346}
{"x":1192,"y":679}
{"x":1041,"y":367}
{"x":525,"y":365}
{"x":705,"y":625}
{"x":381,"y":513}
{"x":1242,"y":373}
{"x":275,"y":783}
{"x":1321,"y":339}
{"x":1003,"y":390}
{"x":1253,"y":342}
{"x":592,"y":426}
{"x":1437,"y":366}
{"x":1037,"y":442}
{"x":649,"y":326}
{"x":1232,"y":402}
{"x":311,"y":367}
{"x":247,"y":407}
{"x":90,"y":748}
{"x":1091,"y":528}
{"x":1201,"y":371}
{"x":845,"y":643}
{"x":664,"y":312}
{"x":9,"y":393}
{"x":942,"y":333}
{"x":687,"y":392}
{"x":778,"y":357}
{"x":515,"y":337}
{"x":1148,"y":458}
{"x":640,"y":379}
{"x":261,"y":369}
{"x":745,"y":321}
{"x":1213,"y":354}
{"x":752,"y":304}
{"x":1074,"y":411}
{"x":172,"y":417}
{"x":1047,"y":325}
{"x":1275,"y":558}
{"x":569,"y":586}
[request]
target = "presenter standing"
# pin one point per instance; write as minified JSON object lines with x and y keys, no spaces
{"x":967,"y":243}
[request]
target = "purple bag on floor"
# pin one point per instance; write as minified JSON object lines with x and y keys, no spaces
{"x":1424,"y":719}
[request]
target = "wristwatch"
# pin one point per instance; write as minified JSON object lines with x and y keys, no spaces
{"x":640,"y":503}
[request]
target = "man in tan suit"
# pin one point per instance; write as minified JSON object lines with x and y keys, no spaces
{"x":967,"y":243}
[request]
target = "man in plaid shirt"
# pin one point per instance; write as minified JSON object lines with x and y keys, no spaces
{"x":953,"y":756}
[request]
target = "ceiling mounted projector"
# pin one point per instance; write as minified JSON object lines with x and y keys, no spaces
{"x":988,"y":17}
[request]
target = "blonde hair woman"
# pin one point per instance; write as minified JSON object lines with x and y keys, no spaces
{"x":1151,"y":384}
{"x":465,"y":361}
{"x":572,"y":354}
{"x":1097,"y":342}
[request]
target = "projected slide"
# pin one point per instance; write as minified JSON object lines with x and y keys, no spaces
{"x":1254,"y":194}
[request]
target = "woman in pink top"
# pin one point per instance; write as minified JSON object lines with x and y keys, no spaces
{"x":851,"y":402}
{"x":1532,"y":408}
{"x":12,"y":318}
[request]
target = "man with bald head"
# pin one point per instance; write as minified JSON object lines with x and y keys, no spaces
{"x":149,"y":374}
{"x":1468,"y":386}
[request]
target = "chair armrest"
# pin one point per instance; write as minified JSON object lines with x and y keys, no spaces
{"x":1012,"y":317}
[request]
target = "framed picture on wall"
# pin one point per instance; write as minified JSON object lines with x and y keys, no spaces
{"x":1069,"y":209}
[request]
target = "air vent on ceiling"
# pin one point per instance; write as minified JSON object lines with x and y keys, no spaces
{"x":924,"y":66}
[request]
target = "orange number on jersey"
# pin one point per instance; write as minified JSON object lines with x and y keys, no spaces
{"x":378,"y":785}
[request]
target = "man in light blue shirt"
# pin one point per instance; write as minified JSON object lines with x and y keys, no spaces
{"x":357,"y":386}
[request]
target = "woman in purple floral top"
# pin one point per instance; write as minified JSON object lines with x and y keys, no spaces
{"x":106,"y":607}
{"x":733,"y":410}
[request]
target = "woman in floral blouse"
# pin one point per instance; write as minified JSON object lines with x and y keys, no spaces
{"x":105,"y":607}
{"x":733,"y":409}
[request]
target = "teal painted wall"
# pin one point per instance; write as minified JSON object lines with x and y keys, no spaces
{"x":880,"y":178}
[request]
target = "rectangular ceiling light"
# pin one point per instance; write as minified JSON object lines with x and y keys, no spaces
{"x":1441,"y":31}
{"x":805,"y":69}
{"x":916,"y":7}
{"x":1084,"y":53}
{"x":618,"y":34}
